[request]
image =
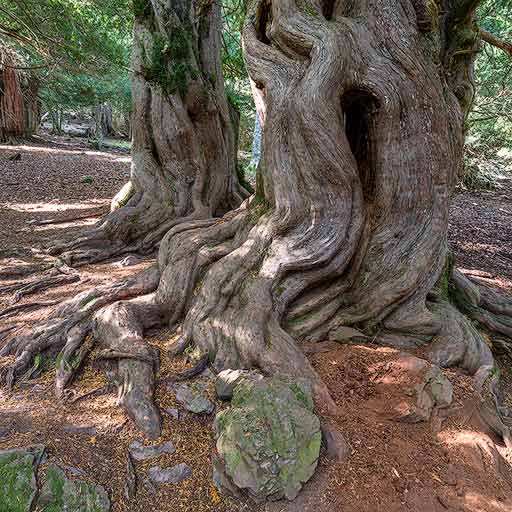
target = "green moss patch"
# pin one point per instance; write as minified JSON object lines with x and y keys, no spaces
{"x":17,"y":480}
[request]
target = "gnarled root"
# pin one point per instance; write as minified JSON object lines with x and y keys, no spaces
{"x":68,"y":327}
{"x":483,"y":303}
{"x":119,"y":327}
{"x":214,"y":274}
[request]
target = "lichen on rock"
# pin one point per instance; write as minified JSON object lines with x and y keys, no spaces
{"x":18,"y":486}
{"x":269,"y":440}
{"x":59,"y":494}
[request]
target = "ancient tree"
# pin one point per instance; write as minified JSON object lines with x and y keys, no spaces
{"x":184,"y":155}
{"x":363,"y":107}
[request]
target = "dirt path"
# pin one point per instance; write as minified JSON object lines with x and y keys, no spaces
{"x":436,"y":472}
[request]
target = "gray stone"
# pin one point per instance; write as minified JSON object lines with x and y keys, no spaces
{"x":228,"y":379}
{"x":336,"y":446}
{"x":140,"y":452}
{"x":18,"y":487}
{"x":173,"y":475}
{"x":173,"y":412}
{"x":207,"y":374}
{"x":60,"y":494}
{"x":269,"y":440}
{"x":193,"y":398}
{"x":150,"y":488}
{"x":129,"y":261}
{"x":346,"y":334}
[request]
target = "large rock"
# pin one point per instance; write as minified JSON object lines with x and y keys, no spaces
{"x":18,"y":486}
{"x":269,"y":440}
{"x":193,"y":398}
{"x":415,"y":388}
{"x":59,"y":494}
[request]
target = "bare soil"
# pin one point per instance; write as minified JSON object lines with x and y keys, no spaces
{"x":392,"y":466}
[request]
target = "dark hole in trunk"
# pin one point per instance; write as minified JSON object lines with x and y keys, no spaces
{"x":359,"y":108}
{"x":328,"y":9}
{"x":264,"y":19}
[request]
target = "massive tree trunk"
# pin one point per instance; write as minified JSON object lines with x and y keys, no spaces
{"x":363,"y":107}
{"x":183,"y":141}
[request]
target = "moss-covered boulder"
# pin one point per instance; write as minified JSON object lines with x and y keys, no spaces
{"x":268,"y":441}
{"x":18,"y":486}
{"x":59,"y":494}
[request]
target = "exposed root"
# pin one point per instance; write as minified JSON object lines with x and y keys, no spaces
{"x":45,"y":284}
{"x":113,"y":354}
{"x":119,"y":328}
{"x":191,"y":372}
{"x":23,"y":307}
{"x":15,"y":272}
{"x":68,"y":327}
{"x":72,"y":355}
{"x":482,"y":303}
{"x":46,"y":222}
{"x":95,"y":392}
{"x":115,"y":234}
{"x":6,"y":331}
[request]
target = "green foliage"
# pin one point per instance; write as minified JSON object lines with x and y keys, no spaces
{"x":237,"y":82}
{"x":77,"y":35}
{"x":79,"y":50}
{"x":87,"y":180}
{"x":141,"y":8}
{"x":489,"y":141}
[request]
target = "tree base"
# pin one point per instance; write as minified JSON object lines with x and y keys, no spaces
{"x":209,"y":272}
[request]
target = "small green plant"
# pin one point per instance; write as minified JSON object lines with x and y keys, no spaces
{"x":88,"y":180}
{"x":495,"y":372}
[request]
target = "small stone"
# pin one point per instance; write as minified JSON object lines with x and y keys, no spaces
{"x":128,"y":261}
{"x":140,"y":452}
{"x":193,"y":398}
{"x":423,"y":387}
{"x":173,"y":475}
{"x":336,"y":447}
{"x":149,"y":486}
{"x":207,"y":374}
{"x":173,"y":412}
{"x":345,"y":334}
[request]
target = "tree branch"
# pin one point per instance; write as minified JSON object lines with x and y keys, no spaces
{"x":498,"y":43}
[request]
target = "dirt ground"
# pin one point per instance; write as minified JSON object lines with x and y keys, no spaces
{"x":391,"y":466}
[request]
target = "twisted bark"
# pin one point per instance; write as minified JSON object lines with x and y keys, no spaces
{"x":362,"y":107}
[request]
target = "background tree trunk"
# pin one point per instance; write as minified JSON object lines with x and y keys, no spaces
{"x":12,"y":108}
{"x":183,"y":140}
{"x":32,"y":105}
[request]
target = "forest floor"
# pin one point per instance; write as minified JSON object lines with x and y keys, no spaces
{"x":391,"y":466}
